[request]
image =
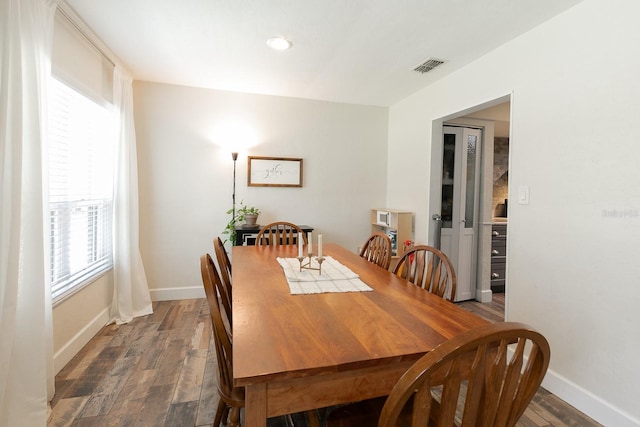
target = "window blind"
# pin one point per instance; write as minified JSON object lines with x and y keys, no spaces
{"x":80,"y":188}
{"x":78,"y":62}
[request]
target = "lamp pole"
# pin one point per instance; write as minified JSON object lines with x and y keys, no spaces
{"x":234,"y":156}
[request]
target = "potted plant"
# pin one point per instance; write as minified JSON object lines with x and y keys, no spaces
{"x":245,"y":215}
{"x":250,"y":215}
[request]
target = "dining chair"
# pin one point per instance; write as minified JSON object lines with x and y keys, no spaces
{"x":377,"y":249}
{"x":232,"y":399}
{"x":429,"y":268}
{"x":221,"y":254}
{"x":221,"y":291}
{"x":224,"y":265}
{"x":280,"y":233}
{"x":486,"y":376}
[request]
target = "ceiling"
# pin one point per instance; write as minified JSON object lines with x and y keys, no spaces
{"x":353,"y":51}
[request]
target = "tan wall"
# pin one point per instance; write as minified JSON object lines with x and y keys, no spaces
{"x":78,"y":318}
{"x":186,"y":171}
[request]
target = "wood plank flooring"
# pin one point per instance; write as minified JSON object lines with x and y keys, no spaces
{"x":160,"y":370}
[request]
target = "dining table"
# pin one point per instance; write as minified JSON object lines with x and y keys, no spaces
{"x":298,"y":352}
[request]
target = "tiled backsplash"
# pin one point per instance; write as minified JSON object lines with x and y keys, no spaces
{"x":500,"y":173}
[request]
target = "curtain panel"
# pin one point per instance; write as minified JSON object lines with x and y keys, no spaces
{"x":26,"y":359}
{"x":131,"y":296}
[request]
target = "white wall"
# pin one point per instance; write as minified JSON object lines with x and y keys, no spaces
{"x":186,"y":179}
{"x":573,"y":251}
{"x":79,"y":317}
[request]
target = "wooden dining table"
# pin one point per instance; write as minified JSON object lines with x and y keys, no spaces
{"x":294,"y":353}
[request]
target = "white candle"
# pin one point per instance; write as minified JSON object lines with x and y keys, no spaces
{"x":300,"y":243}
{"x":319,"y":245}
{"x":309,"y":243}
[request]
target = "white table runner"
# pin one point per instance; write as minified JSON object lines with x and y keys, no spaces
{"x":335,"y":277}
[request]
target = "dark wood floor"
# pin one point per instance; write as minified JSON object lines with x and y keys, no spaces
{"x":159,"y":370}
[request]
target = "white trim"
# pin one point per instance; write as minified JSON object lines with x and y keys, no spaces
{"x":91,"y":329}
{"x":484,"y":295}
{"x":582,"y":399}
{"x":169,"y":294}
{"x":79,"y":340}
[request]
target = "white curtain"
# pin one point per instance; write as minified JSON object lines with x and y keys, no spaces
{"x":131,"y":293}
{"x":26,"y":351}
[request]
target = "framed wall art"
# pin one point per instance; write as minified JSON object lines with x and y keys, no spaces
{"x":274,"y":172}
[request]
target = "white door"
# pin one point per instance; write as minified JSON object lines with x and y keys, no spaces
{"x":459,"y":207}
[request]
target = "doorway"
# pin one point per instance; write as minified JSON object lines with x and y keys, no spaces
{"x":493,"y":118}
{"x":459,"y":204}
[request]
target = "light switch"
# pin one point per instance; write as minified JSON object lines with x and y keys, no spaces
{"x":523,"y":195}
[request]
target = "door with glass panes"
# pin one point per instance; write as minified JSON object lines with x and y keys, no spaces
{"x":459,"y":207}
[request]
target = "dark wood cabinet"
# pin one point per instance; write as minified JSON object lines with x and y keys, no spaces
{"x":246,"y":236}
{"x":498,"y":257}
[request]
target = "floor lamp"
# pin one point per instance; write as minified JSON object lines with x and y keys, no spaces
{"x":234,"y":156}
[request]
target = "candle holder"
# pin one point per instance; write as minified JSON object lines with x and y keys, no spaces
{"x":308,"y":265}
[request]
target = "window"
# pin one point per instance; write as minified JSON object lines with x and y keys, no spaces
{"x":81,"y":143}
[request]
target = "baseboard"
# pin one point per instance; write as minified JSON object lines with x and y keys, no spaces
{"x":483,"y":295}
{"x":79,"y":340}
{"x":169,"y":294}
{"x":585,"y":401}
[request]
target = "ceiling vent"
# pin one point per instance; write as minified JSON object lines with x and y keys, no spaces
{"x":428,"y":65}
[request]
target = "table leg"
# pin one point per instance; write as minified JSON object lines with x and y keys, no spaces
{"x":255,"y":411}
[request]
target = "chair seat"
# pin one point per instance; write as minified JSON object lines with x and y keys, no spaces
{"x":235,"y":398}
{"x":364,"y":414}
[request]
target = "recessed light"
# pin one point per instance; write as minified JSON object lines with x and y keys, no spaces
{"x":279,"y":43}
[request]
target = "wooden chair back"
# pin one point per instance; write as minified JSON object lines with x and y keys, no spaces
{"x":222,"y":292}
{"x":487,"y":375}
{"x":222,"y":256}
{"x":377,"y":249}
{"x":429,"y":268}
{"x":280,"y":233}
{"x":230,"y":397}
{"x":225,"y":272}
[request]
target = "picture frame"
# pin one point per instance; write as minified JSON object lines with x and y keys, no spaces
{"x":274,"y":172}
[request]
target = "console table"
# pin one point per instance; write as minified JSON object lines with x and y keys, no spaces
{"x":246,"y":236}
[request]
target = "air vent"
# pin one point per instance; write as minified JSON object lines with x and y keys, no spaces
{"x":428,"y":65}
